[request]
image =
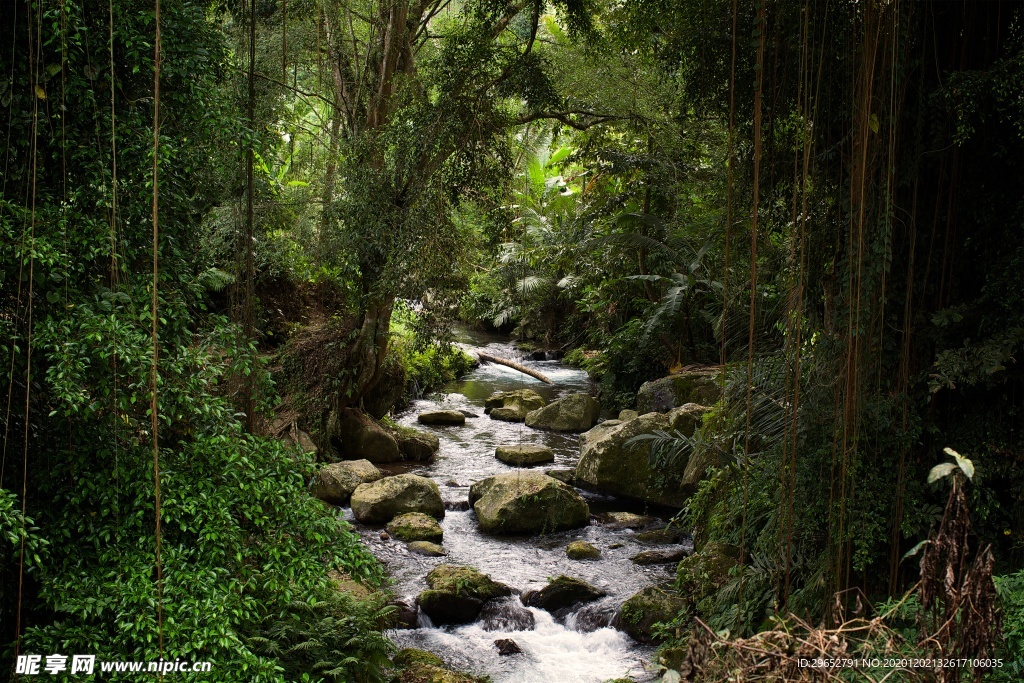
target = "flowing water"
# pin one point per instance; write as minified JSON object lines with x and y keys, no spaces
{"x":584,"y":648}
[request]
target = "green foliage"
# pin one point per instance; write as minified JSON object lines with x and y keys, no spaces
{"x":1011,"y":597}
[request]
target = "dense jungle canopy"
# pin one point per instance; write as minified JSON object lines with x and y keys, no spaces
{"x":228,"y":227}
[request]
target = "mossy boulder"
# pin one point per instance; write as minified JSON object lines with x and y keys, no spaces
{"x":381,"y":501}
{"x":524,"y":455}
{"x":457,"y":594}
{"x":703,"y":573}
{"x":701,"y":385}
{"x":581,"y":550}
{"x":431,"y":673}
{"x":442,"y":417}
{"x":627,"y":415}
{"x":572,"y":413}
{"x":354,"y":435}
{"x":659,"y":536}
{"x":665,"y":556}
{"x":426,"y":548}
{"x":335,"y":483}
{"x":652,"y":605}
{"x":416,"y":445}
{"x":512,"y":406}
{"x":625,"y":520}
{"x":561,"y":594}
{"x":608,"y":464}
{"x":526,"y":503}
{"x":454,"y":578}
{"x":415,"y":526}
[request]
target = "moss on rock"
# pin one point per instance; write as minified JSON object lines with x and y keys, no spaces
{"x":415,"y":526}
{"x":581,"y":550}
{"x":526,"y":503}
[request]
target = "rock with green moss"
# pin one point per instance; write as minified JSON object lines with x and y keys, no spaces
{"x":703,"y":573}
{"x":415,"y":526}
{"x":381,"y":501}
{"x":625,"y":520}
{"x":454,"y":578}
{"x":526,"y":503}
{"x":612,"y":464}
{"x":446,"y":608}
{"x":701,"y":385}
{"x":335,"y":483}
{"x":627,"y":415}
{"x":354,"y":435}
{"x":524,"y":455}
{"x":446,"y":418}
{"x":416,"y":445}
{"x":512,"y":406}
{"x":653,"y":605}
{"x":659,"y":536}
{"x":561,"y":594}
{"x":581,"y":550}
{"x":426,"y":548}
{"x":429,"y":673}
{"x":572,"y":413}
{"x":667,"y":556}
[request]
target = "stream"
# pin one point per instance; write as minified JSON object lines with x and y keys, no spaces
{"x":583,"y":649}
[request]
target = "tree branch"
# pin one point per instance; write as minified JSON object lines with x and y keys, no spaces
{"x":564,"y":117}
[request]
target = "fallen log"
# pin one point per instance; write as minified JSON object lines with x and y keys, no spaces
{"x":487,"y":358}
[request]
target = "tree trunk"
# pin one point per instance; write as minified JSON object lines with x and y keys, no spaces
{"x":368,"y":352}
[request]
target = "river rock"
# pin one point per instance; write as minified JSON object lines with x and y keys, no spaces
{"x":449,"y":608}
{"x":354,"y":435}
{"x":524,"y":455}
{"x":453,"y":578}
{"x":416,"y":445}
{"x":701,"y":385}
{"x":506,"y":614}
{"x":640,"y":613}
{"x":335,"y":483}
{"x":627,"y":415}
{"x":625,"y":520}
{"x":415,"y":526}
{"x":667,"y":556}
{"x":442,"y":417}
{"x":565,"y":475}
{"x":659,"y":536}
{"x":381,"y":501}
{"x":581,"y":550}
{"x":572,"y":413}
{"x":560,"y":594}
{"x":526,"y":503}
{"x":411,"y":656}
{"x":512,"y":406}
{"x":426,"y":548}
{"x":507,"y":646}
{"x":407,"y":613}
{"x":609,"y":465}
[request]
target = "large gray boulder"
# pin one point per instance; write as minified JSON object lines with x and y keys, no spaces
{"x":381,"y":501}
{"x":512,"y":406}
{"x":526,"y":503}
{"x":457,"y":593}
{"x":572,"y":413}
{"x":335,"y":483}
{"x":354,"y":435}
{"x":701,"y":385}
{"x":561,"y":594}
{"x":416,"y":445}
{"x":609,"y":465}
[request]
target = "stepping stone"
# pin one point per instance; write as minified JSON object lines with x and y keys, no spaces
{"x":524,"y":455}
{"x":426,"y":548}
{"x":442,"y":417}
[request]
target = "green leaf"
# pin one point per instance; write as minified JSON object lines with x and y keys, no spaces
{"x":939,"y":471}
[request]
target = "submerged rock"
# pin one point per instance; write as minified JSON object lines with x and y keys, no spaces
{"x":526,"y":503}
{"x":581,"y":550}
{"x":610,"y":463}
{"x":415,"y":526}
{"x":442,"y":417}
{"x":524,"y":455}
{"x":572,"y":413}
{"x":354,"y":435}
{"x":507,"y":646}
{"x":512,"y":406}
{"x":426,"y":548}
{"x":335,"y":483}
{"x":381,"y":501}
{"x":640,"y":613}
{"x":660,"y":556}
{"x":562,"y":593}
{"x":701,"y":385}
{"x":407,"y":614}
{"x":506,"y":614}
